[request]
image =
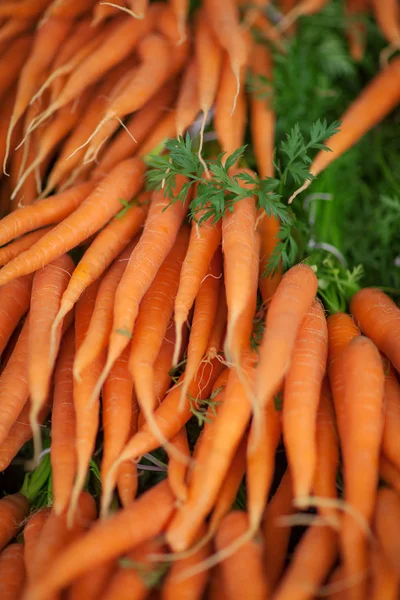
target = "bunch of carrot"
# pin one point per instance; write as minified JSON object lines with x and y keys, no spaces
{"x":89,"y":90}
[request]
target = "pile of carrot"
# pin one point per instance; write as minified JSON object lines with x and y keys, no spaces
{"x":159,"y":320}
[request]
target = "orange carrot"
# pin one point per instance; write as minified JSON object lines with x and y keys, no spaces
{"x":387,"y":15}
{"x":380,"y":96}
{"x":104,"y":249}
{"x":181,"y":11}
{"x":102,"y":204}
{"x":379,"y":318}
{"x":389,"y":473}
{"x":12,"y":61}
{"x":386,"y":526}
{"x":107,"y":539}
{"x":363,"y":403}
{"x":390,"y":443}
{"x":159,"y":234}
{"x":312,"y":561}
{"x":47,"y":288}
{"x":91,"y":584}
{"x":15,"y":298}
{"x":286,"y":311}
{"x":68,"y":9}
{"x":14,"y":388}
{"x":356,"y":11}
{"x":303,"y":8}
{"x":385,"y":581}
{"x":276,"y":537}
{"x":101,"y":11}
{"x":44,"y":212}
{"x":63,"y":455}
{"x":101,"y":321}
{"x":177,"y":469}
{"x":163,"y":364}
{"x":13,"y":511}
{"x":163,"y":131}
{"x":12,"y":572}
{"x":32,"y":533}
{"x":23,"y":8}
{"x":242,"y":573}
{"x":14,"y":28}
{"x":216,"y":340}
{"x":7,"y":106}
{"x":301,"y":397}
{"x":187,"y":104}
{"x":21,"y":244}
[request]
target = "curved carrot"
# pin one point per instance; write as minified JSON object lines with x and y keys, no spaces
{"x":15,"y":299}
{"x":63,"y":454}
{"x":12,"y":571}
{"x":13,"y":511}
{"x":102,"y":204}
{"x":379,"y":318}
{"x":47,"y":288}
{"x":108,"y":539}
{"x":387,"y":15}
{"x":21,"y":244}
{"x":302,"y":391}
{"x":288,"y":307}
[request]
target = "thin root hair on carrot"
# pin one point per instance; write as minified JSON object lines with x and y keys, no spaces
{"x":123,"y":9}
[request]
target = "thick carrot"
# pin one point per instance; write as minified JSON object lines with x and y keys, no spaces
{"x":363,"y":404}
{"x":380,"y":96}
{"x":12,"y":62}
{"x":13,"y":511}
{"x":21,"y":244}
{"x":47,"y":288}
{"x":99,"y":329}
{"x":163,"y":131}
{"x":286,"y":311}
{"x":63,"y":454}
{"x":108,"y":539}
{"x":379,"y":318}
{"x":204,"y":241}
{"x":385,"y":581}
{"x":43,"y":212}
{"x":386,"y":526}
{"x":102,"y":204}
{"x":210,"y":474}
{"x":32,"y":533}
{"x":14,"y":388}
{"x":158,"y":237}
{"x":390,"y":442}
{"x":302,"y":391}
{"x":91,"y":584}
{"x":104,"y":249}
{"x":12,"y":571}
{"x":276,"y":537}
{"x":387,"y":15}
{"x":68,"y":9}
{"x":312,"y":561}
{"x":230,"y":127}
{"x":243,"y":573}
{"x":15,"y":299}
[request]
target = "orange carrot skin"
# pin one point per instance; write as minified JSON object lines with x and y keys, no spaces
{"x":32,"y":533}
{"x":93,"y":548}
{"x":12,"y":62}
{"x":14,"y":302}
{"x":44,"y":212}
{"x":287,"y":309}
{"x":209,"y":55}
{"x":386,"y":525}
{"x":21,"y":244}
{"x":379,"y":319}
{"x":63,"y":454}
{"x":12,"y":571}
{"x":13,"y":510}
{"x":177,"y":469}
{"x":385,"y":581}
{"x":389,"y":473}
{"x":243,"y":572}
{"x":187,"y":105}
{"x":387,"y":15}
{"x":91,"y":584}
{"x":390,"y":442}
{"x":301,"y":397}
{"x":25,"y":8}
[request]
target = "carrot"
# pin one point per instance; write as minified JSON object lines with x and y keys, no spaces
{"x":14,"y":28}
{"x":158,"y":237}
{"x":7,"y":106}
{"x":127,"y":482}
{"x":385,"y":581}
{"x":177,"y":469}
{"x":102,"y":204}
{"x":151,"y":325}
{"x":303,"y":8}
{"x":181,"y":12}
{"x":224,"y":19}
{"x":168,"y":419}
{"x":313,"y":558}
{"x":23,"y":8}
{"x":12,"y":61}
{"x":230,"y":127}
{"x":379,"y":318}
{"x":43,"y":212}
{"x":203,"y":320}
{"x":12,"y":572}
{"x":270,"y":34}
{"x":242,"y":573}
{"x":327,"y":445}
{"x":139,"y":125}
{"x":216,"y":339}
{"x":107,"y":539}
{"x":187,"y":104}
{"x":15,"y":300}
{"x":32,"y":533}
{"x":363,"y":403}
{"x":86,"y":404}
{"x":380,"y":96}
{"x":168,"y":27}
{"x":21,"y":244}
{"x":163,"y":131}
{"x":56,"y":535}
{"x":104,"y":249}
{"x":68,"y":9}
{"x":100,"y":323}
{"x":217,"y":589}
{"x":390,"y":441}
{"x":204,"y":241}
{"x":163,"y":365}
{"x":118,"y":404}
{"x":47,"y":288}
{"x":102,"y":11}
{"x":286,"y":311}
{"x":63,"y":457}
{"x":210,"y":474}
{"x":13,"y":511}
{"x":14,"y":388}
{"x":209,"y":62}
{"x":386,"y":526}
{"x":301,"y":397}
{"x":91,"y":584}
{"x":341,"y":330}
{"x":387,"y":15}
{"x":389,"y":473}
{"x":276,"y":537}
{"x":356,"y":11}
